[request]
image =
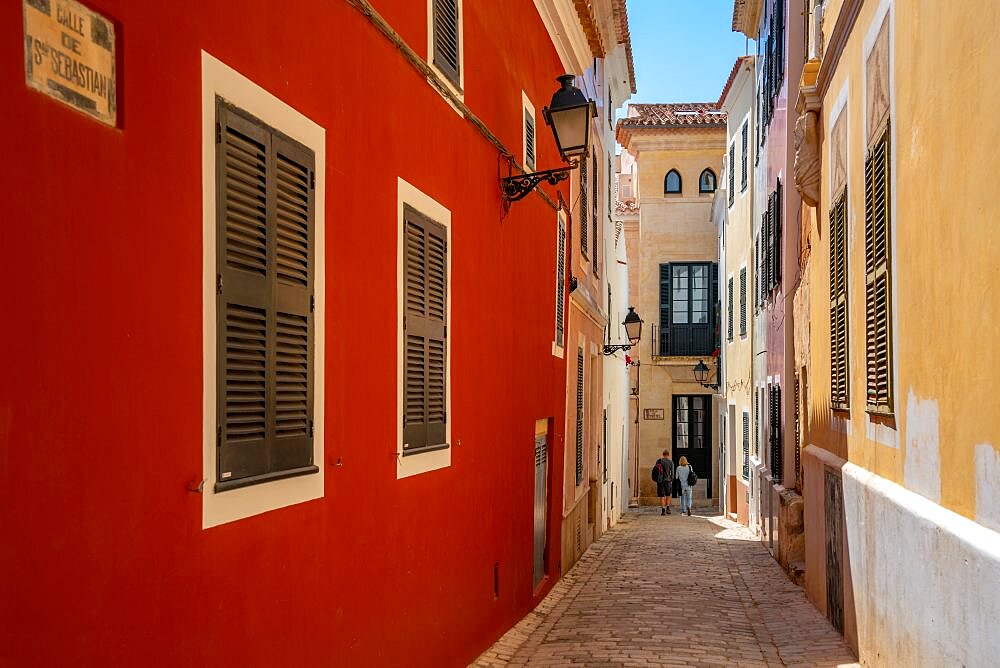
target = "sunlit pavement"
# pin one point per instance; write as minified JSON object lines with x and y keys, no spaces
{"x":673,"y":591}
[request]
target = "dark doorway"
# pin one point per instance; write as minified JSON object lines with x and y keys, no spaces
{"x":692,"y":426}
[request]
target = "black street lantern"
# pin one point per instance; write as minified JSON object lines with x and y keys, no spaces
{"x":633,"y":326}
{"x":633,"y":329}
{"x":569,"y":116}
{"x":701,"y":371}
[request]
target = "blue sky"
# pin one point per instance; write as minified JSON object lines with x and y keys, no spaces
{"x":683,"y":49}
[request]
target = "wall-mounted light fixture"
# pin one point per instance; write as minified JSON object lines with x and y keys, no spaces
{"x":633,"y":329}
{"x":701,"y":372}
{"x":568,"y":114}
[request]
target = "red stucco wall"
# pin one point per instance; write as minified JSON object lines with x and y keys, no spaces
{"x":103,"y":557}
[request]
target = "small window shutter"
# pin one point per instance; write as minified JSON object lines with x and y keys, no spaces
{"x":746,"y":445}
{"x":561,"y":283}
{"x":878,"y":298}
{"x":743,"y":172}
{"x":715,"y":308}
{"x":529,"y":140}
{"x":425,"y":332}
{"x":729,"y":319}
{"x":665,"y":277}
{"x":593,"y":216}
{"x":579,"y":416}
{"x":769,"y":224}
{"x":838,"y":304}
{"x":777,"y":234}
{"x":446,"y":39}
{"x":266,"y":221}
{"x":743,"y":301}
{"x":779,"y":29}
{"x":732,"y":173}
{"x":244,"y":299}
{"x":584,"y":218}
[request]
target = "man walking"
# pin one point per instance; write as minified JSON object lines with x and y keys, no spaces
{"x":664,"y":481}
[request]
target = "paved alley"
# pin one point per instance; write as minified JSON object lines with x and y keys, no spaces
{"x":680,"y":591}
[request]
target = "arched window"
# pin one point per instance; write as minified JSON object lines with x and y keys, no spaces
{"x":672,"y":183}
{"x":706,"y":184}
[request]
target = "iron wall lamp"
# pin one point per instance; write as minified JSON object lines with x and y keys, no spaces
{"x":568,"y":114}
{"x":633,"y":329}
{"x":701,"y":371}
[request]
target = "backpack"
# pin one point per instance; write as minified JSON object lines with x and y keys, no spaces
{"x":692,"y":476}
{"x":657,"y":472}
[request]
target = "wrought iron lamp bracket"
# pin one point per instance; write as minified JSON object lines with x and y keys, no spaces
{"x":514,"y":188}
{"x":612,"y":349}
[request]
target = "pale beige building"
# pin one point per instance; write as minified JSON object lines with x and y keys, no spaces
{"x":737,"y":278}
{"x":678,"y":150}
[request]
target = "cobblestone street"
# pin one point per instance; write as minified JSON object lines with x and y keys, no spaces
{"x":674,"y":591}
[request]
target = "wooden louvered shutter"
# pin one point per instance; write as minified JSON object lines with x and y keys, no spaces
{"x":746,"y":445}
{"x":529,"y":140}
{"x":732,"y":173}
{"x":665,"y":274}
{"x":425,"y":267}
{"x":775,"y":420}
{"x":579,"y":416}
{"x":593,"y":216}
{"x":878,"y":283}
{"x":715,"y":309}
{"x":743,"y":172}
{"x":777,"y":234}
{"x":561,"y":283}
{"x":730,"y":303}
{"x":769,"y":222}
{"x":584,"y":219}
{"x":266,"y":215}
{"x":839,"y":380}
{"x":743,"y":301}
{"x":779,"y":44}
{"x":447,"y":57}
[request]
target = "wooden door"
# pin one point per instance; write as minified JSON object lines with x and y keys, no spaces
{"x":692,"y":427}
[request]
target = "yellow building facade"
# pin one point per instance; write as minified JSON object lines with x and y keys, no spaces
{"x":900,"y":289}
{"x":673,"y":268}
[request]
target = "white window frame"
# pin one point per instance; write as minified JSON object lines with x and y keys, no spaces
{"x":458,"y":92}
{"x":219,"y":80}
{"x":529,"y":108}
{"x":419,"y":462}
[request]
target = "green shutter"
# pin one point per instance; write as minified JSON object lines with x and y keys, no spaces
{"x":743,"y":301}
{"x":584,"y":219}
{"x":664,"y":338}
{"x":594,"y":216}
{"x":560,"y":283}
{"x":265,"y":231}
{"x":839,"y":376}
{"x":730,"y":304}
{"x":579,"y":416}
{"x":777,"y":234}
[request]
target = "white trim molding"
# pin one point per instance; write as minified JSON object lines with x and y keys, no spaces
{"x":423,"y":462}
{"x":563,"y":24}
{"x":219,"y":80}
{"x":529,"y":108}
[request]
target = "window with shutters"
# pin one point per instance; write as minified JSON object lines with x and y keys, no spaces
{"x":688,"y":296}
{"x":774,"y":419}
{"x":530,"y":148}
{"x":729,"y":310}
{"x":878,"y":276}
{"x":839,"y":348}
{"x":579,"y":416}
{"x":746,"y":445}
{"x":265,"y":243}
{"x":425,"y":331}
{"x":743,"y":302}
{"x":560,"y":311}
{"x":672,"y":183}
{"x":746,"y":149}
{"x":732,"y":173}
{"x":584,"y":217}
{"x":594,"y":227}
{"x":446,"y":40}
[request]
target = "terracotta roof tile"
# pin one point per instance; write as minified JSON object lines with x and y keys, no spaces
{"x":682,"y":114}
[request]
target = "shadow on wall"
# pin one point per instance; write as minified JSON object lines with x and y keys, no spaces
{"x":829,"y":584}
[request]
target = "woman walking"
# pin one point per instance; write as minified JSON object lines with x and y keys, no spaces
{"x":683,"y":471}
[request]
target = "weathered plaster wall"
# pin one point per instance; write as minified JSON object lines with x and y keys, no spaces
{"x":927,"y":580}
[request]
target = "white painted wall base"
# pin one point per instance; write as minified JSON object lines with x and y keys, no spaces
{"x":926,"y":580}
